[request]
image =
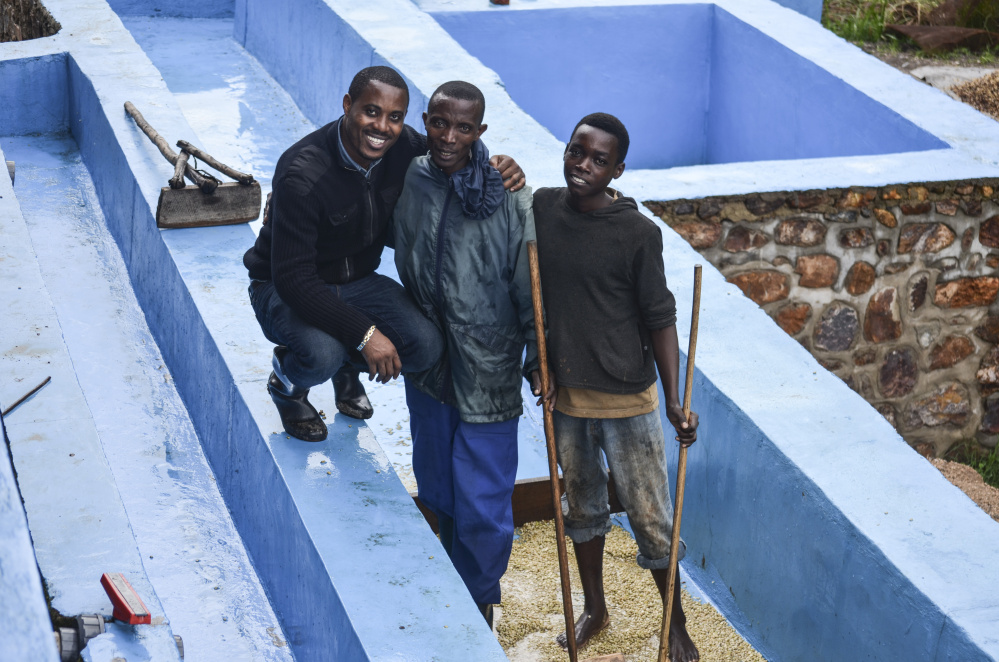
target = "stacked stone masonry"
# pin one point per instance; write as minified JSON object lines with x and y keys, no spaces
{"x":893,"y":289}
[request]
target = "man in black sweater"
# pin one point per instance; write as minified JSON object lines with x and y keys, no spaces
{"x":611,"y":327}
{"x":313,"y":286}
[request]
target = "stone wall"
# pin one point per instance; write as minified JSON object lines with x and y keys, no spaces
{"x":25,"y":19}
{"x":894,"y":289}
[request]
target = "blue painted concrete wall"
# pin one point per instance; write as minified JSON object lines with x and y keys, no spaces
{"x":46,"y":109}
{"x":692,"y":84}
{"x":312,"y":53}
{"x":810,"y":8}
{"x":187,"y":8}
{"x":769,"y":104}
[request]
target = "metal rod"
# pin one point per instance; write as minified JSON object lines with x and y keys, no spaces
{"x":681,"y":473}
{"x":25,"y":397}
{"x":240,"y":177}
{"x":563,"y":554}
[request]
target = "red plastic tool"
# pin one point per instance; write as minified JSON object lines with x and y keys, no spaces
{"x":128,"y":606}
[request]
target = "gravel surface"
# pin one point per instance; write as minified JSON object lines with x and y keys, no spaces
{"x":531,"y":613}
{"x":971,"y":483}
{"x":981,"y":94}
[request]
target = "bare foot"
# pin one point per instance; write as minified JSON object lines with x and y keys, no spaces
{"x":587,"y":626}
{"x":681,"y":646}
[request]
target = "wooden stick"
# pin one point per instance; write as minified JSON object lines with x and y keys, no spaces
{"x":563,"y":554}
{"x":204,"y":183}
{"x":179,"y":168}
{"x":26,"y":396}
{"x":681,"y":473}
{"x":240,"y":177}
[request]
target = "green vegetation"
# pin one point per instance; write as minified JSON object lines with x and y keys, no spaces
{"x":988,"y":466}
{"x":863,"y":23}
{"x":975,"y":456}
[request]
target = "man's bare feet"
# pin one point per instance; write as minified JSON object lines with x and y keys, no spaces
{"x":587,"y":626}
{"x":681,"y":646}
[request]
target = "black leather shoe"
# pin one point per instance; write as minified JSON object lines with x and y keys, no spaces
{"x":351,"y":400}
{"x":299,"y":418}
{"x":487,"y":613}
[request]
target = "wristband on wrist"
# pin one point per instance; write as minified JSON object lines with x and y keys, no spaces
{"x":367,"y":337}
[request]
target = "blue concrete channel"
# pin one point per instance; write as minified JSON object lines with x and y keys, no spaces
{"x":809,"y":522}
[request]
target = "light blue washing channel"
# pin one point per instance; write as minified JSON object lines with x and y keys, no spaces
{"x":190,"y":550}
{"x":79,"y":527}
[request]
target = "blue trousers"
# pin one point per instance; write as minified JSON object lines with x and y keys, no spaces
{"x":314,"y":356}
{"x":465,"y":474}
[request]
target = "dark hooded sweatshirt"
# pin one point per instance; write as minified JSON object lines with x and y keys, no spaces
{"x":604,"y":288}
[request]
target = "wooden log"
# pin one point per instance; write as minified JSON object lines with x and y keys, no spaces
{"x":179,"y":168}
{"x":532,"y":501}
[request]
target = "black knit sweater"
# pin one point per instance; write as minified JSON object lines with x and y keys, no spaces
{"x":328,"y":225}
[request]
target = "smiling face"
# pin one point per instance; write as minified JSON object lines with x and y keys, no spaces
{"x":373,"y":121}
{"x":589,"y":165}
{"x":452,"y":127}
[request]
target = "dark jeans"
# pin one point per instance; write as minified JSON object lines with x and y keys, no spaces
{"x":315,"y":356}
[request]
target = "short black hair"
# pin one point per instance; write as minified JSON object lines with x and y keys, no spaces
{"x":459,"y":89}
{"x":386,"y":75}
{"x":613,"y":126}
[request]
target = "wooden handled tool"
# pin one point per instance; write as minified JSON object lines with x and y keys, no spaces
{"x":209,"y":203}
{"x":188,"y":148}
{"x":206,"y":184}
{"x":563,"y":554}
{"x":681,"y":473}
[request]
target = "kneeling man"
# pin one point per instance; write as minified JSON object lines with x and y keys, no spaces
{"x":460,"y":246}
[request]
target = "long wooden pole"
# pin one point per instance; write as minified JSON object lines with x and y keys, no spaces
{"x":563,"y":554}
{"x":681,"y":474}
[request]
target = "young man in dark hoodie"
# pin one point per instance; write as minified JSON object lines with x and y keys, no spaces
{"x":461,"y":250}
{"x":611,"y":325}
{"x":313,"y":286}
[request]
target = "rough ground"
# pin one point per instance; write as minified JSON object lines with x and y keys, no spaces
{"x":981,"y":94}
{"x":532,"y":609}
{"x":963,"y":77}
{"x":971,"y":483}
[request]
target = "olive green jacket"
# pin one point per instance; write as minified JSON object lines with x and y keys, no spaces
{"x":471,"y":278}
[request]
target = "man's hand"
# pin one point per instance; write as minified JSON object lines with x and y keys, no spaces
{"x":267,"y":208}
{"x":383,"y":359}
{"x":513,"y":176}
{"x":551,"y":396}
{"x":686,"y":430}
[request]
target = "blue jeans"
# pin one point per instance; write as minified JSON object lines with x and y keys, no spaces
{"x":314,"y":356}
{"x":635,"y":451}
{"x":465,"y":474}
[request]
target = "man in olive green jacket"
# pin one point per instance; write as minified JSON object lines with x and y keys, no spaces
{"x":460,"y":248}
